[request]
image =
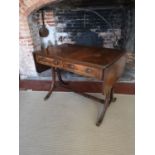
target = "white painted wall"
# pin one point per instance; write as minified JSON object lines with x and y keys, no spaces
{"x":53,"y":37}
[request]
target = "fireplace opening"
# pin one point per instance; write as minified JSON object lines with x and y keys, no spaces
{"x":98,"y":23}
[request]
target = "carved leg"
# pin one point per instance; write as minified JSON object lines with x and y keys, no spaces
{"x":52,"y":84}
{"x":104,"y":108}
{"x":60,"y":78}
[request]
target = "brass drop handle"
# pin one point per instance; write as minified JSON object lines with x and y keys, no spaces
{"x":88,"y":70}
{"x":71,"y":66}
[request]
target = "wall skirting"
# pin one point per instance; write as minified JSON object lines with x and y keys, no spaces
{"x":81,"y":86}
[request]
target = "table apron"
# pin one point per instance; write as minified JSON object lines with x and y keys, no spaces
{"x":80,"y":69}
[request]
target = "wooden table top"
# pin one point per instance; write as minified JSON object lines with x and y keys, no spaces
{"x":97,"y":56}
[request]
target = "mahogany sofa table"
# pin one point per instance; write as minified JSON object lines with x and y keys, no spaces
{"x":100,"y":63}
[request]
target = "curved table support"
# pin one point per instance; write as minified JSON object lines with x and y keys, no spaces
{"x":60,"y":78}
{"x":102,"y":111}
{"x":52,"y":84}
{"x":108,"y":99}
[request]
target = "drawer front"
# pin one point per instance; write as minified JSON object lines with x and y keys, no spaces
{"x":83,"y":70}
{"x":49,"y":61}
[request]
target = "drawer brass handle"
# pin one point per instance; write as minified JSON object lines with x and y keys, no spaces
{"x":88,"y":70}
{"x":71,"y":66}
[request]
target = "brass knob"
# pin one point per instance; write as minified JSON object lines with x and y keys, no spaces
{"x":71,"y":66}
{"x":88,"y":70}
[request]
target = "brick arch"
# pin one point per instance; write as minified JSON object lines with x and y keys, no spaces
{"x":26,"y":46}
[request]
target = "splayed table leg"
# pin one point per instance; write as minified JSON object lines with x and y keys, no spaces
{"x":52,"y":84}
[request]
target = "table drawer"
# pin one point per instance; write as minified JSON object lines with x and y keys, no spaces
{"x":49,"y":61}
{"x":83,"y":70}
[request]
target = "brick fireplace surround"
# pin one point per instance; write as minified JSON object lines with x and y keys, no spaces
{"x":26,"y":7}
{"x":28,"y":44}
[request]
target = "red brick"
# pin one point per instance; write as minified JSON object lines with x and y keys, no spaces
{"x":25,"y":8}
